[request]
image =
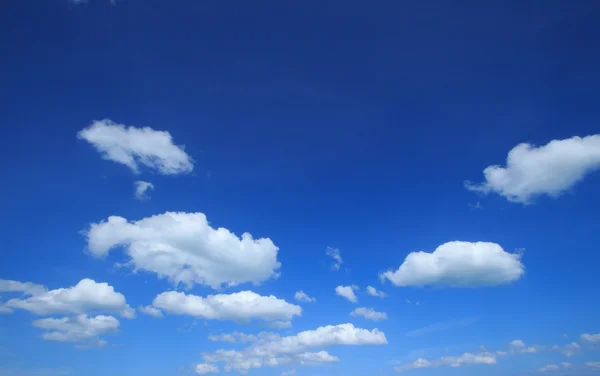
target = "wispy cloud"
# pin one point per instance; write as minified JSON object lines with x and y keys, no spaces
{"x":440,"y":326}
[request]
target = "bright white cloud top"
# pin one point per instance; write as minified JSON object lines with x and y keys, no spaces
{"x":550,"y":170}
{"x":87,"y":296}
{"x":184,"y":248}
{"x":133,"y":147}
{"x":241,"y":306}
{"x":81,"y":328}
{"x":458,"y":264}
{"x":275,"y":350}
{"x":369,"y":314}
{"x":301,"y":296}
{"x":347,"y":292}
{"x":141,"y":190}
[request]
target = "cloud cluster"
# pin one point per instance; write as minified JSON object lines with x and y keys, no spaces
{"x":184,"y":248}
{"x":549,"y":170}
{"x":347,"y":292}
{"x":241,"y":306}
{"x":80,"y":328}
{"x":133,"y":147}
{"x":458,"y":264}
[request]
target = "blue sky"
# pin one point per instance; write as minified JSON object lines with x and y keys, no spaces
{"x":359,"y":144}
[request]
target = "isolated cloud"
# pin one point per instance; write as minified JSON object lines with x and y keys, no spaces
{"x":518,"y":347}
{"x":149,"y":310}
{"x":133,"y":147}
{"x":141,"y":190}
{"x":459,"y":264}
{"x":301,"y":296}
{"x":274,"y":350}
{"x":373,"y":292}
{"x":85,"y":297}
{"x":334,"y":253}
{"x":485,"y":358}
{"x":203,"y":369}
{"x":369,"y":314}
{"x":26,"y":288}
{"x":571,"y":349}
{"x":549,"y":368}
{"x":80,"y":328}
{"x":441,"y":326}
{"x":240,"y":306}
{"x":549,"y":170}
{"x":184,"y":248}
{"x":291,"y":372}
{"x":593,"y":365}
{"x":347,"y":292}
{"x":591,"y":338}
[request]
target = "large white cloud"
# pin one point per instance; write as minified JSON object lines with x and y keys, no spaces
{"x":549,"y":170}
{"x":347,"y":292}
{"x":273,"y":350}
{"x":87,"y":296}
{"x":133,"y":147}
{"x":459,"y":264}
{"x":81,"y":328}
{"x":240,"y":306}
{"x":184,"y":248}
{"x":369,"y":314}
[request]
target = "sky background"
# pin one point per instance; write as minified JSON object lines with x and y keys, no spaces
{"x":344,"y":124}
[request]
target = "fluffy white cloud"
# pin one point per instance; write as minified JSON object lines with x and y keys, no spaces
{"x":87,"y":296}
{"x":301,"y":296}
{"x":26,"y":288}
{"x":184,"y":248}
{"x":549,"y":170}
{"x":334,"y":253}
{"x":458,"y":264}
{"x":485,"y":358}
{"x":141,"y":190}
{"x":149,"y":310}
{"x":347,"y":292}
{"x":81,"y":328}
{"x":203,"y":369}
{"x":591,"y":338}
{"x":373,"y":292}
{"x":274,"y":350}
{"x":133,"y":147}
{"x":369,"y":314}
{"x":240,"y":306}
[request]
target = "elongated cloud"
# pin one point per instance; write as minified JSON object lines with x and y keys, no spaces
{"x":133,"y":147}
{"x":81,"y":328}
{"x":184,"y":248}
{"x":550,"y":170}
{"x":458,"y":264}
{"x":369,"y":314}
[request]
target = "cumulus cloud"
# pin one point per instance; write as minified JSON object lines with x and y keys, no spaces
{"x":347,"y":292}
{"x":301,"y":296}
{"x":274,"y":350}
{"x":81,"y":329}
{"x":334,"y":253}
{"x":485,"y":358}
{"x":591,"y":338}
{"x":149,"y":310}
{"x":241,"y":306}
{"x":184,"y":248}
{"x":141,"y":190}
{"x":458,"y":264}
{"x":369,"y":314}
{"x":133,"y":147}
{"x":203,"y":369}
{"x":549,"y":170}
{"x":518,"y":347}
{"x":373,"y":292}
{"x":87,"y":296}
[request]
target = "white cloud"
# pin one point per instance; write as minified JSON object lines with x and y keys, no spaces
{"x":518,"y":347}
{"x":274,"y":350}
{"x":241,"y":306}
{"x":184,"y":248}
{"x":373,"y":292}
{"x":237,"y":337}
{"x":337,"y":259}
{"x":26,"y":288}
{"x":347,"y":292}
{"x":369,"y":314}
{"x":485,"y":358}
{"x":79,"y":329}
{"x":291,"y":372}
{"x":141,"y":190}
{"x":549,"y":170}
{"x":571,"y":348}
{"x":87,"y":296}
{"x":458,"y":264}
{"x":301,"y":296}
{"x":149,"y":310}
{"x":133,"y":147}
{"x":549,"y":368}
{"x":593,"y":365}
{"x":591,"y":338}
{"x":440,"y":326}
{"x":203,"y":369}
